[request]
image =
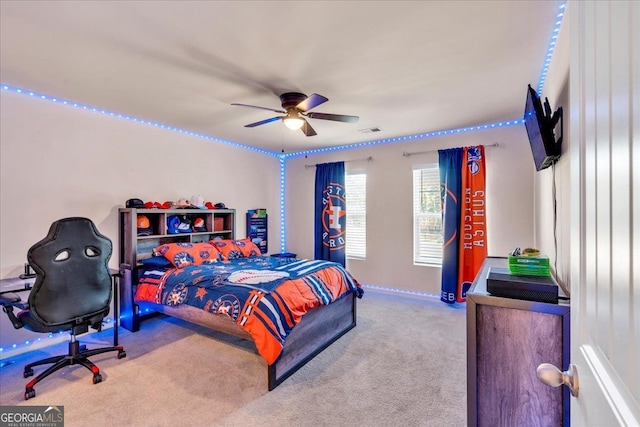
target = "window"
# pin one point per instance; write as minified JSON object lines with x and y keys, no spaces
{"x":427,"y":216}
{"x":356,"y":186}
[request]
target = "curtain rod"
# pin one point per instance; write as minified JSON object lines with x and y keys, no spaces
{"x":405,"y":154}
{"x":367,"y":159}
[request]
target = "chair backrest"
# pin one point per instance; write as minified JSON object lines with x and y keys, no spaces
{"x":73,"y":284}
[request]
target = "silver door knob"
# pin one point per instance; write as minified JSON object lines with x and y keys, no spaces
{"x":552,"y":376}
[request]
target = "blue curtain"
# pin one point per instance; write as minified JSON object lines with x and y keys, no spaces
{"x":450,"y":164}
{"x":330,"y":212}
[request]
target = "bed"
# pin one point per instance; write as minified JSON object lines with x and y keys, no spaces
{"x":291,"y":309}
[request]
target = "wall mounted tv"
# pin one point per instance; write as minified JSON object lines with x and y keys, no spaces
{"x":540,"y":124}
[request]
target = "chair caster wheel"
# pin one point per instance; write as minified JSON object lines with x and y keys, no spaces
{"x":29,"y":394}
{"x":122,"y":354}
{"x":27,"y":373}
{"x":97,"y":378}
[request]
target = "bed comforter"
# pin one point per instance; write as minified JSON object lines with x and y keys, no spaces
{"x":265,"y":296}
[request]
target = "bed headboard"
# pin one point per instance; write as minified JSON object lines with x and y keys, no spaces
{"x":219,"y":223}
{"x":155,"y":231}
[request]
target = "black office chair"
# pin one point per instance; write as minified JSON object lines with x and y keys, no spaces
{"x":72,"y":291}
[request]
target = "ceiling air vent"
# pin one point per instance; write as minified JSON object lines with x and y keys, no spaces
{"x":370,"y":130}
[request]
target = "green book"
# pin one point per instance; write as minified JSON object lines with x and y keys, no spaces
{"x":530,"y":265}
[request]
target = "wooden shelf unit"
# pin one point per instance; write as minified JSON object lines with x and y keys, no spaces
{"x":219,"y":223}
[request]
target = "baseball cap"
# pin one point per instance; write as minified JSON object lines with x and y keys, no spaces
{"x":198,"y":225}
{"x":198,"y":202}
{"x":173,"y":222}
{"x":209,"y":205}
{"x":185,"y":226}
{"x":183,"y":203}
{"x":144,"y":226}
{"x":134,"y":203}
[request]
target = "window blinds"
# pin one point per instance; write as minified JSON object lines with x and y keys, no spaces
{"x":427,"y":216}
{"x":356,"y":186}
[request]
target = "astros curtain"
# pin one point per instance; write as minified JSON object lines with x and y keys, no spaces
{"x":450,"y":165}
{"x":462,"y":191}
{"x":330,"y":212}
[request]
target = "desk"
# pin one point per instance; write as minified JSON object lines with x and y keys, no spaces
{"x":115,"y":282}
{"x":16,"y":285}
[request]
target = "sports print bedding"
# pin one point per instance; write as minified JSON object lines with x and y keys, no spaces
{"x":265,"y":296}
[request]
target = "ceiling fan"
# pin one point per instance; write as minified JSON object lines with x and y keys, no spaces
{"x":296,"y":107}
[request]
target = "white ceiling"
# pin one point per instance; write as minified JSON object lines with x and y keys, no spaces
{"x":405,"y":67}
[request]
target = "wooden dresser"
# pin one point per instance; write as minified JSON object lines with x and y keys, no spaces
{"x":507,"y":339}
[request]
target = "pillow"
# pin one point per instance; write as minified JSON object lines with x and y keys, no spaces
{"x":228,"y":249}
{"x":184,"y":254}
{"x":247,"y":247}
{"x":156,"y":261}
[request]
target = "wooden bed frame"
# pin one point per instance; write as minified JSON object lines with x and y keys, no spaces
{"x":317,"y":329}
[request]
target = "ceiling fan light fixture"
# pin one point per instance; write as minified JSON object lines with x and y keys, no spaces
{"x":293,"y":121}
{"x":296,"y":108}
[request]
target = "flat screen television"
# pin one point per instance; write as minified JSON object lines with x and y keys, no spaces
{"x":540,"y":124}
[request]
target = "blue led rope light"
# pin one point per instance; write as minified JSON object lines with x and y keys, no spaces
{"x":40,"y":339}
{"x":283,"y":243}
{"x":406,"y":138}
{"x":30,"y":342}
{"x":550,"y":49}
{"x":136,"y":120}
{"x":401,"y":292}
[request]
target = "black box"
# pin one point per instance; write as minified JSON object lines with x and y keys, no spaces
{"x":501,"y":283}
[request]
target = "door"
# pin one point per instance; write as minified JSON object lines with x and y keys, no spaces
{"x":605,"y":211}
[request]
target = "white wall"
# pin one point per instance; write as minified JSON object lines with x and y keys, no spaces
{"x":389,"y":261}
{"x":556,"y":89}
{"x":58,"y":161}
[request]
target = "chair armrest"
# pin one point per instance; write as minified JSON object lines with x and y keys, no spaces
{"x":7,"y":303}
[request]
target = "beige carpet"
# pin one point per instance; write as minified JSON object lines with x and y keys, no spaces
{"x":403,"y":365}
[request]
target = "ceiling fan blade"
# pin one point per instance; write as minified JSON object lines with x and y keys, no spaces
{"x":311,"y":102}
{"x":263,"y":122}
{"x":334,"y":117}
{"x":262,"y":108}
{"x":307,"y":129}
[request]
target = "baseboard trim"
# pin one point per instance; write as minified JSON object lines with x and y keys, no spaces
{"x":400,"y":292}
